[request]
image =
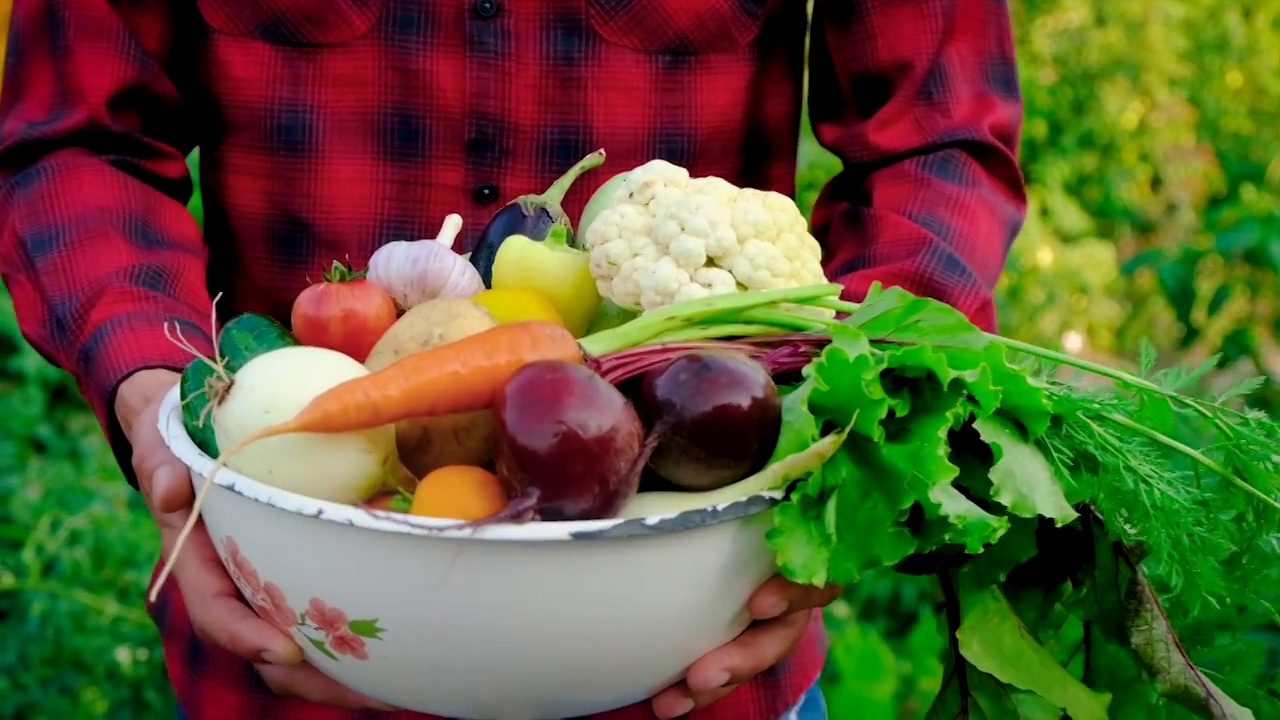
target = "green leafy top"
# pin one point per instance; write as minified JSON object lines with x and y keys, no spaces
{"x":970,"y":436}
{"x":916,"y":474}
{"x":967,"y":460}
{"x":960,"y":454}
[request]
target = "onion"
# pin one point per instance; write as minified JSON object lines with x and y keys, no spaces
{"x":272,"y":388}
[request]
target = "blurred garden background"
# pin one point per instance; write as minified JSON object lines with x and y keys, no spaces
{"x":1152,"y":153}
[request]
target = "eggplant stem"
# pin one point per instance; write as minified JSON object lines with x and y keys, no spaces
{"x":555,"y":194}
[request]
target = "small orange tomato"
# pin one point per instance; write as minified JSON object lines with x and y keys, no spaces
{"x":459,"y":492}
{"x":343,"y":312}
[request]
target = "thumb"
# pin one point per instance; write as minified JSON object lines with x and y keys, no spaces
{"x":171,"y":488}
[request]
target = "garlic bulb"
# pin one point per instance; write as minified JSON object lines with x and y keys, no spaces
{"x":414,"y":271}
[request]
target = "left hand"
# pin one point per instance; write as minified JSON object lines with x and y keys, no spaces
{"x":781,"y":611}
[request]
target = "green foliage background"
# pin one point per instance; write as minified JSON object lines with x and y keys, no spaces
{"x":1152,"y":153}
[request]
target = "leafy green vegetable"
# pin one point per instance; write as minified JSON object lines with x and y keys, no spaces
{"x":969,"y":458}
{"x":992,"y":639}
{"x":1151,"y":636}
{"x":1021,"y":478}
{"x":911,"y":404}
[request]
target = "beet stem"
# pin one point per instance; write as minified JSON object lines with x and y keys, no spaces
{"x":778,"y":354}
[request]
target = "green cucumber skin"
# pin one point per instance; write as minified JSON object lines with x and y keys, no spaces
{"x":242,"y":339}
{"x":190,"y":389}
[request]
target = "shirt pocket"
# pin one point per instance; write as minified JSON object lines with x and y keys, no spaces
{"x":686,"y":27}
{"x":293,"y":22}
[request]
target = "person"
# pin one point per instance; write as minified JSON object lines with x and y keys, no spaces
{"x":328,"y":127}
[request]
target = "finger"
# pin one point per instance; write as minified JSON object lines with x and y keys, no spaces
{"x":718,"y":672}
{"x":165,"y":482}
{"x":305,"y":682}
{"x":678,"y":700}
{"x":218,"y":614}
{"x":761,"y":647}
{"x":779,"y":596}
{"x":171,"y":489}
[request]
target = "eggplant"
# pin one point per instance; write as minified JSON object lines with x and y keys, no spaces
{"x":529,"y":215}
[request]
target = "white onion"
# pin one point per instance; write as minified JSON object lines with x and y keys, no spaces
{"x":272,"y":388}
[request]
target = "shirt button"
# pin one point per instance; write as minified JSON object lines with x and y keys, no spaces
{"x":487,"y":8}
{"x":485,"y":193}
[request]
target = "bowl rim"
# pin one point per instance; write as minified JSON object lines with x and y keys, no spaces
{"x":181,"y":445}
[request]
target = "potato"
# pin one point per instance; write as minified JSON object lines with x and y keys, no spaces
{"x":424,"y":326}
{"x":428,"y":443}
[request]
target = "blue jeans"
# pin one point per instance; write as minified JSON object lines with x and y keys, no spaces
{"x":811,"y":707}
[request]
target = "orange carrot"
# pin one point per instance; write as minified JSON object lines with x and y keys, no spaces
{"x":460,"y":376}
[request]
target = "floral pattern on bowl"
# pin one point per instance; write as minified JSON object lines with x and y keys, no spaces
{"x":326,"y":627}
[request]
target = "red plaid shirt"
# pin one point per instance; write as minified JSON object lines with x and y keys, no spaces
{"x":328,"y":127}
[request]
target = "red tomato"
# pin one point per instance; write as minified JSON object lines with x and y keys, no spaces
{"x":344,"y":312}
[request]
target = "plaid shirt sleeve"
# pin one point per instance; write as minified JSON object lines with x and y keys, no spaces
{"x":921,"y":102}
{"x":96,"y":245}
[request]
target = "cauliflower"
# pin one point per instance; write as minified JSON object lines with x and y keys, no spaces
{"x":666,"y":237}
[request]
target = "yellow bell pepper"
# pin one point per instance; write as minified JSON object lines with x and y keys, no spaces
{"x":554,"y":269}
{"x":508,"y":305}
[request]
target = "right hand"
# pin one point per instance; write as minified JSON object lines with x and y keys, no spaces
{"x":218,"y":613}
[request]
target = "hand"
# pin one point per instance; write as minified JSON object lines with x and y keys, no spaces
{"x":781,"y":610}
{"x":217,"y":612}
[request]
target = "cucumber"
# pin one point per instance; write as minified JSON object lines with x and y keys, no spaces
{"x":242,"y":339}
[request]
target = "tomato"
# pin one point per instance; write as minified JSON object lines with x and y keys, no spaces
{"x":459,"y":492}
{"x":344,"y":312}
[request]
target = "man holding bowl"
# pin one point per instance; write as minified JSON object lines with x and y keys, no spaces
{"x":328,"y":127}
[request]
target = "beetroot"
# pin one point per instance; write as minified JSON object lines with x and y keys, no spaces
{"x":567,"y":433}
{"x":715,"y":416}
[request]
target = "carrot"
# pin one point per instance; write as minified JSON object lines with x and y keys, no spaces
{"x":460,"y":376}
{"x":457,"y":377}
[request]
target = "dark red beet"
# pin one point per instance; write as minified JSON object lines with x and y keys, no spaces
{"x":717,"y":415}
{"x":565,"y":431}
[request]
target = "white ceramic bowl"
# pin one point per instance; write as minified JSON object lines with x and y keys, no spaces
{"x":536,"y":621}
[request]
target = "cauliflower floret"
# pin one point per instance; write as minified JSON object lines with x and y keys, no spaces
{"x":625,"y":289}
{"x":717,"y":281}
{"x":776,"y":247}
{"x":666,"y":237}
{"x":645,"y":182}
{"x":717,"y":188}
{"x":689,"y":252}
{"x":660,"y":282}
{"x":691,"y":228}
{"x":617,"y":236}
{"x":760,"y":266}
